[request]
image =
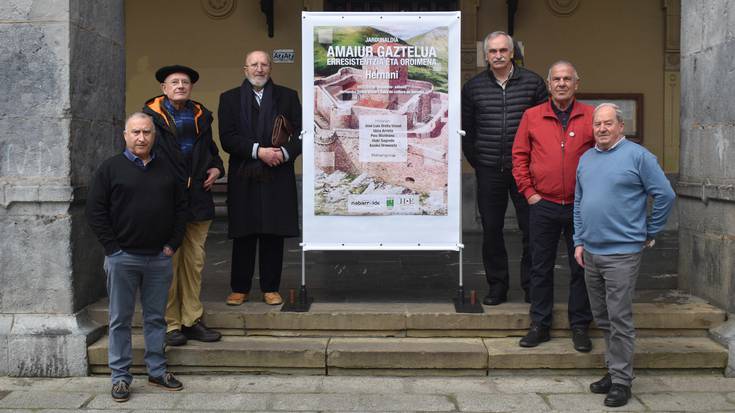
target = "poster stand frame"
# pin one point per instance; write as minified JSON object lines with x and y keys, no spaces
{"x":299,"y":300}
{"x":301,"y":303}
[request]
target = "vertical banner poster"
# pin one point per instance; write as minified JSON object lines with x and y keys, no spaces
{"x":381,"y":159}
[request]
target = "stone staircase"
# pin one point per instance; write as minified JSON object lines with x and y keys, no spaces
{"x":419,"y":339}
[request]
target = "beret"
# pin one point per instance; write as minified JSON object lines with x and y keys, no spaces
{"x":164,"y":72}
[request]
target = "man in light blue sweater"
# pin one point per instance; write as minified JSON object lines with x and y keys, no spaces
{"x":611,"y":228}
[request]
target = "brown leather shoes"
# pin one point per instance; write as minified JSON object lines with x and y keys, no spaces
{"x":272,"y":298}
{"x":236,"y":298}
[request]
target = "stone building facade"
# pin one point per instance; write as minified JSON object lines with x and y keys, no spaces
{"x":62,"y":110}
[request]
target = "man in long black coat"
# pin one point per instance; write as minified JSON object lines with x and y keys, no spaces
{"x":262,"y":204}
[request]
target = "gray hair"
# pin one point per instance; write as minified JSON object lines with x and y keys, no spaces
{"x":560,"y":63}
{"x":497,"y":34}
{"x":618,"y":112}
{"x":141,"y":115}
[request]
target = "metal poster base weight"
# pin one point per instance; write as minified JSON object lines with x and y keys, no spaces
{"x":299,"y":304}
{"x":464,"y":304}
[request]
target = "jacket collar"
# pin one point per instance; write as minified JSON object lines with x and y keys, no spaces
{"x":515,"y":73}
{"x":548,"y":112}
{"x":156,"y":105}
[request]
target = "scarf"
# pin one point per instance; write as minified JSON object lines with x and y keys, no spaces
{"x":261,"y":130}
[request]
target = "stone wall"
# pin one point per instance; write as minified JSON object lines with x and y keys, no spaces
{"x":706,"y":185}
{"x":63,"y":89}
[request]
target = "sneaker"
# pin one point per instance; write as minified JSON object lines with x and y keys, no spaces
{"x":535,"y":336}
{"x":200,"y":332}
{"x":167,"y":381}
{"x":175,"y":338}
{"x":618,"y":395}
{"x":581,"y":340}
{"x":602,"y":386}
{"x":120,"y":391}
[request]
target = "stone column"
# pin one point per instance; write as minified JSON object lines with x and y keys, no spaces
{"x":706,"y":185}
{"x":61,"y":114}
{"x":672,"y":86}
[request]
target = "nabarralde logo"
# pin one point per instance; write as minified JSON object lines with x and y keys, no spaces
{"x":389,"y":203}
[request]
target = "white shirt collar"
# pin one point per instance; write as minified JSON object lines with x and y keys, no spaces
{"x":597,"y":148}
{"x":258,"y":95}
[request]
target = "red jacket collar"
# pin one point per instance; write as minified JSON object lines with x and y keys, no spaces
{"x":548,"y":112}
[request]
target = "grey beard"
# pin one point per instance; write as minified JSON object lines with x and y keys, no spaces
{"x":258,"y":83}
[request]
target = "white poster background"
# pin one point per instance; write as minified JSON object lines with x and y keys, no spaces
{"x":389,"y":232}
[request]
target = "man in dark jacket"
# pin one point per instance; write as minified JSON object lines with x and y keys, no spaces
{"x":184,"y":130}
{"x":137,"y":210}
{"x":262,"y":205}
{"x":492,"y":105}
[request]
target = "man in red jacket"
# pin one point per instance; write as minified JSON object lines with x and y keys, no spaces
{"x":550,"y":140}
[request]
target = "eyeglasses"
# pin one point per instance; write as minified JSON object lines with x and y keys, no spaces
{"x":137,"y":132}
{"x":177,"y":82}
{"x":256,"y":65}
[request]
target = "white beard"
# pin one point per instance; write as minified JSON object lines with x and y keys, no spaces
{"x":259,"y":83}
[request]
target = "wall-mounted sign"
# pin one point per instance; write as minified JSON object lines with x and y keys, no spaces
{"x":283,"y":56}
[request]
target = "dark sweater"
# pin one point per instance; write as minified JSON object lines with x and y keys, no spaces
{"x":134,"y":209}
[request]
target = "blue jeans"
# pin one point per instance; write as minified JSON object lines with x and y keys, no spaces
{"x":125,"y":274}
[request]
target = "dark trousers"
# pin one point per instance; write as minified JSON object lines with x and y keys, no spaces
{"x":493,"y":189}
{"x":270,"y":262}
{"x":548,"y":221}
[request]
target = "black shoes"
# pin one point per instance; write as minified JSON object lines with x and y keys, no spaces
{"x":175,"y":338}
{"x":602,"y":386}
{"x":535,"y":336}
{"x":492,"y":300}
{"x":618,"y":395}
{"x":200,"y":332}
{"x":581,"y":340}
{"x":167,"y":382}
{"x":120,"y":391}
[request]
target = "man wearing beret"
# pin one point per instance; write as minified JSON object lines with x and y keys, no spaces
{"x":261,"y":189}
{"x":184,"y":142}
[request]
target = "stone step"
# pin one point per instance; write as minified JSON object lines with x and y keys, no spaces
{"x":410,"y":356}
{"x":650,"y":353}
{"x":237,"y":354}
{"x":689,"y":318}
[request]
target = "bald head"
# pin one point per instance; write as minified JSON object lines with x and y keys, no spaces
{"x":139,"y":134}
{"x":257,"y":68}
{"x":562,"y":82}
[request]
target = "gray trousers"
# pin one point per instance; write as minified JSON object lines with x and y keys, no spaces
{"x":610,"y":284}
{"x":126,"y":273}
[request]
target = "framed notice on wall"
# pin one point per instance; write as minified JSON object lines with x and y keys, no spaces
{"x":381,"y":159}
{"x":631,"y":104}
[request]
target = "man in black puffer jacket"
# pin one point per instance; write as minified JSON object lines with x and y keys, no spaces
{"x":493,"y":103}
